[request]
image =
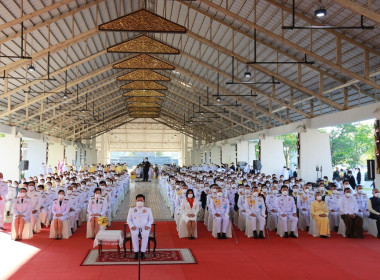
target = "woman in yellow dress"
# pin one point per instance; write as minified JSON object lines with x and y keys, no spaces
{"x":320,"y":212}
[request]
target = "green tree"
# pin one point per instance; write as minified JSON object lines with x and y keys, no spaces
{"x":352,"y":144}
{"x":289,"y":145}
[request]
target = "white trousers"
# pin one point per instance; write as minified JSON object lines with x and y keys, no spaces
{"x":34,"y":218}
{"x":306,"y":217}
{"x":285,"y":222}
{"x":9,"y":206}
{"x":335,"y":218}
{"x":144,"y":239}
{"x":253,"y":221}
{"x":221,"y":223}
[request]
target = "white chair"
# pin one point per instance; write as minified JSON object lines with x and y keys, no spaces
{"x":248,"y":228}
{"x":210,"y":222}
{"x":89,"y":231}
{"x":228,"y":233}
{"x":27,"y":232}
{"x":302,"y":221}
{"x":342,"y":227}
{"x":241,"y":222}
{"x":280,"y":229}
{"x":236,"y":217}
{"x":372,"y":227}
{"x":365,"y":223}
{"x":176,"y":218}
{"x":66,"y":231}
{"x":37,"y":226}
{"x":205,"y":220}
{"x":182,"y":233}
{"x":271,"y":222}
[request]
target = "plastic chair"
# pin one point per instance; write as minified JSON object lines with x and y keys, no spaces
{"x":372,"y":227}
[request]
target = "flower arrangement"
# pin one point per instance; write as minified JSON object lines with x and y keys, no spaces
{"x":103,"y":221}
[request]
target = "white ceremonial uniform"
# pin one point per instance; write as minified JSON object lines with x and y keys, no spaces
{"x":96,"y":206}
{"x":60,"y":208}
{"x":303,"y":202}
{"x":332,"y":202}
{"x":140,"y":217}
{"x":221,"y":206}
{"x":22,"y":206}
{"x":255,"y":205}
{"x":361,"y":199}
{"x":270,"y":201}
{"x":285,"y":205}
{"x":11,"y":197}
{"x":3,"y":196}
{"x":36,"y":204}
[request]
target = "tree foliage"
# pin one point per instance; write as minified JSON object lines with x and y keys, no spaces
{"x":352,"y":144}
{"x":289,"y":145}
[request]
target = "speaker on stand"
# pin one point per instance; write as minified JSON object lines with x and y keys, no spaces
{"x":371,"y":171}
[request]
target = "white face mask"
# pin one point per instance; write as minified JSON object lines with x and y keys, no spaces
{"x":274,"y":191}
{"x":285,"y":192}
{"x":190,"y":195}
{"x":207,"y":188}
{"x":377,"y":195}
{"x":321,"y":188}
{"x":219,"y":194}
{"x":347,"y":194}
{"x":61,"y":196}
{"x":307,"y":190}
{"x":31,"y":188}
{"x":255,"y":193}
{"x":22,"y":194}
{"x":360,"y":191}
{"x":184,"y":191}
{"x":97,"y":195}
{"x":247,"y":191}
{"x":69,"y":192}
{"x":335,"y":191}
{"x":140,"y":203}
{"x":319,"y":197}
{"x":214,"y":190}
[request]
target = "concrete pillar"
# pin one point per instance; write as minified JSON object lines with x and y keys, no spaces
{"x":35,"y":153}
{"x":314,"y":150}
{"x":55,"y":154}
{"x":10,"y":153}
{"x":272,"y":155}
{"x":104,"y":153}
{"x":215,"y":155}
{"x":251,"y":152}
{"x":243,"y":151}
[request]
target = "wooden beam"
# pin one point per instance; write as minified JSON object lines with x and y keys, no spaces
{"x":359,"y":9}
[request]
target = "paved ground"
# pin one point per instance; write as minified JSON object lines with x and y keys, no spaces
{"x":153,"y":200}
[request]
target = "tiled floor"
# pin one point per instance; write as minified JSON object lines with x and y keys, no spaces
{"x":153,"y":200}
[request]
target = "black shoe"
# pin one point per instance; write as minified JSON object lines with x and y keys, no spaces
{"x":336,"y":229}
{"x":255,"y":236}
{"x":323,"y":236}
{"x":72,"y":230}
{"x":1,"y":228}
{"x":34,"y":232}
{"x":286,"y":235}
{"x":292,"y":235}
{"x":219,"y":236}
{"x":8,"y":213}
{"x":224,"y":236}
{"x":261,"y":235}
{"x":136,"y":256}
{"x":307,"y":228}
{"x":77,"y":224}
{"x":143,"y":255}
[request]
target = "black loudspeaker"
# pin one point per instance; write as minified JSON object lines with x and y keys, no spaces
{"x":257,"y":164}
{"x":23,"y":165}
{"x":371,"y":169}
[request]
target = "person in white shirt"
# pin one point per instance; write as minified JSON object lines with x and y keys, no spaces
{"x":22,"y":209}
{"x":286,"y":209}
{"x":140,"y":220}
{"x":348,"y":208}
{"x":373,"y":205}
{"x":3,"y":196}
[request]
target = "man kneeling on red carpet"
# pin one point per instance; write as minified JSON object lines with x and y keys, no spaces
{"x":140,"y":220}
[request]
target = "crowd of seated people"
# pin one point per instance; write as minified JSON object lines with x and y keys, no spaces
{"x":63,"y":201}
{"x":221,"y":197}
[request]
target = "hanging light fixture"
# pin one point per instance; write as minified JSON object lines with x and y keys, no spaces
{"x":247,"y":74}
{"x":321,"y":12}
{"x":31,"y":68}
{"x":65,"y":96}
{"x":218,"y":98}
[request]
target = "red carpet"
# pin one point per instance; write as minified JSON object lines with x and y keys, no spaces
{"x":302,"y":258}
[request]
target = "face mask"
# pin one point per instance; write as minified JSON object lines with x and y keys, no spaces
{"x":321,"y":188}
{"x":69,"y":192}
{"x":377,"y":195}
{"x":207,"y":188}
{"x":61,"y":196}
{"x":247,"y":191}
{"x":334,"y":191}
{"x":307,"y":190}
{"x":347,"y":194}
{"x":97,"y":195}
{"x":219,"y":194}
{"x":214,"y":190}
{"x":319,"y":197}
{"x":22,"y":194}
{"x":184,"y":191}
{"x":255,"y":194}
{"x":108,"y":183}
{"x":274,"y":191}
{"x":31,"y":188}
{"x":9,"y":184}
{"x":285,"y":192}
{"x":190,"y":195}
{"x":295,"y":190}
{"x":140,"y":203}
{"x":360,"y":191}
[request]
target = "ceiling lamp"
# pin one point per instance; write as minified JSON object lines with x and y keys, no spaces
{"x":321,"y":12}
{"x":247,"y":74}
{"x":31,"y":68}
{"x":218,"y":99}
{"x":65,"y":95}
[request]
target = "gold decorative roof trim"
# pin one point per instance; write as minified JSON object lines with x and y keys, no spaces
{"x":144,"y":99}
{"x":146,"y":85}
{"x":143,"y":61}
{"x":142,"y":93}
{"x":143,"y":104}
{"x":142,"y":75}
{"x":142,"y":109}
{"x":143,"y":44}
{"x":142,"y":21}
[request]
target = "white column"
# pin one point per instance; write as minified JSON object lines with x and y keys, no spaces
{"x":251,"y":152}
{"x":10,"y":154}
{"x":272,"y":155}
{"x":71,"y":154}
{"x":55,"y":154}
{"x":243,"y":151}
{"x":215,"y":155}
{"x":36,"y":155}
{"x":314,"y":150}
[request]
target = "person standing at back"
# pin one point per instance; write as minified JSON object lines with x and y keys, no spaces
{"x":146,"y":167}
{"x":3,"y":195}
